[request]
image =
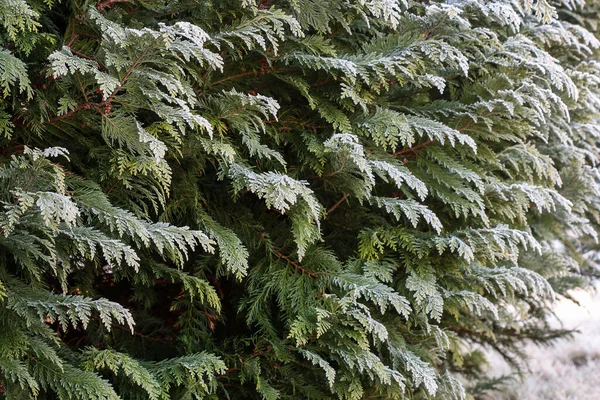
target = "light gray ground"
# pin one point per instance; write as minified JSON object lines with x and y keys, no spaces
{"x":569,"y":369}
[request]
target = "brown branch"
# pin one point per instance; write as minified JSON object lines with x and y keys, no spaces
{"x":106,"y":103}
{"x":425,"y":144}
{"x":234,"y":112}
{"x":72,"y":40}
{"x":263,"y":71}
{"x":129,"y":71}
{"x":82,"y":55}
{"x":415,"y":148}
{"x":81,"y":87}
{"x":469,"y":125}
{"x":334,"y":173}
{"x":110,"y":189}
{"x":339,"y":202}
{"x":61,"y":129}
{"x":339,"y":226}
{"x":325,"y":82}
{"x":255,"y":354}
{"x":293,"y":263}
{"x":233,"y":77}
{"x":291,"y":121}
{"x":85,"y":106}
{"x":89,"y":35}
{"x":29,"y":182}
{"x":74,"y":36}
{"x":110,"y":3}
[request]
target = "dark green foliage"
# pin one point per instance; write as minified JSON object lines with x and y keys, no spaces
{"x":296,"y":199}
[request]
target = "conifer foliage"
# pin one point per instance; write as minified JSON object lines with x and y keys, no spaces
{"x":295,"y":199}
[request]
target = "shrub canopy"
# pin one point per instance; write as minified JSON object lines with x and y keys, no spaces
{"x":295,"y":199}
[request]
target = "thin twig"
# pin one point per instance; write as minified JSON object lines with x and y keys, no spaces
{"x":81,"y":87}
{"x":234,"y":112}
{"x":85,"y":106}
{"x":339,"y":202}
{"x":233,"y":77}
{"x":291,"y":121}
{"x":325,"y":82}
{"x":129,"y":71}
{"x":337,"y":171}
{"x":110,"y":3}
{"x":415,"y":148}
{"x":293,"y":263}
{"x":469,"y":125}
{"x":82,"y":55}
{"x":110,"y":189}
{"x":73,"y":37}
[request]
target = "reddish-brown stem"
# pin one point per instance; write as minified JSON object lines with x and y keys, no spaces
{"x":110,"y":3}
{"x":157,"y":339}
{"x":339,"y":225}
{"x":90,"y":35}
{"x":29,"y":182}
{"x":72,"y":40}
{"x":82,"y":55}
{"x":233,"y":77}
{"x":110,"y":189}
{"x":123,"y":328}
{"x":107,"y":102}
{"x":334,"y":173}
{"x":74,"y":36}
{"x":61,"y":129}
{"x":425,"y":144}
{"x":134,"y":9}
{"x":470,"y":124}
{"x":325,"y":82}
{"x":293,"y":263}
{"x":129,"y":71}
{"x":231,"y":113}
{"x":291,"y":121}
{"x":81,"y":87}
{"x":85,"y":106}
{"x":339,"y":202}
{"x":255,"y":354}
{"x":415,"y":148}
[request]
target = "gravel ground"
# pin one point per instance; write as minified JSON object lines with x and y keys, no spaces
{"x":571,"y":368}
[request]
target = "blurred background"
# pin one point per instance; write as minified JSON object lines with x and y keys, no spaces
{"x":569,"y":369}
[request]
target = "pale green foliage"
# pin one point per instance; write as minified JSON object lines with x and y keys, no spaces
{"x":409,"y":208}
{"x":380,"y":294}
{"x":318,"y":360}
{"x":427,"y":296}
{"x":232,"y":252}
{"x":13,"y":73}
{"x":509,"y":281}
{"x":19,"y":19}
{"x":64,"y":63}
{"x":389,"y":128}
{"x":266,"y":27}
{"x":119,"y":363}
{"x":71,"y":383}
{"x":420,"y":371}
{"x":285,"y":194}
{"x":66,"y":310}
{"x":45,"y":210}
{"x":245,"y":115}
{"x":196,"y":372}
{"x":196,"y":288}
{"x":288,"y":200}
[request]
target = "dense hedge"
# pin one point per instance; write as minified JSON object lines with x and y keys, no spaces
{"x":289,"y":199}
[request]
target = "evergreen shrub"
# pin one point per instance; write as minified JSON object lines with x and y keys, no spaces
{"x":291,"y":199}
